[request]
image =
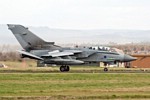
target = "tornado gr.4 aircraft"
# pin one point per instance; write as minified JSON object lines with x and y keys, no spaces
{"x":49,"y":53}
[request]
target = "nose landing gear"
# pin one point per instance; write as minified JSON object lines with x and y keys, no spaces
{"x":105,"y":68}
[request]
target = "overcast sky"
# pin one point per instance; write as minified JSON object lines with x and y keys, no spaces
{"x":77,"y":14}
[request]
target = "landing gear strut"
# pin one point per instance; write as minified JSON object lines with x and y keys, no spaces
{"x":64,"y":68}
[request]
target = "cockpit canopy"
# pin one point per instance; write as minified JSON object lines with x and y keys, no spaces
{"x":102,"y":48}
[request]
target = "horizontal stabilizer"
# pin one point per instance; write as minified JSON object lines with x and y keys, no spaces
{"x":30,"y":55}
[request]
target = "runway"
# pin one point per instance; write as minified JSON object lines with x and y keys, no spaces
{"x":74,"y":70}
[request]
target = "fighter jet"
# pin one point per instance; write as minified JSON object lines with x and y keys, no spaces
{"x":49,"y":53}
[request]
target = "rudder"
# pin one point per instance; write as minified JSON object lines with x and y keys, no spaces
{"x":26,"y":38}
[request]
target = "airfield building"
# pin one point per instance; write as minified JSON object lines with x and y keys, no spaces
{"x":143,"y":61}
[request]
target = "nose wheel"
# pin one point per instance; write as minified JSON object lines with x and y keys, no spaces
{"x":105,"y":69}
{"x":64,"y":68}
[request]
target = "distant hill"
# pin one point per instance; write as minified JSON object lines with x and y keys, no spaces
{"x":63,"y":36}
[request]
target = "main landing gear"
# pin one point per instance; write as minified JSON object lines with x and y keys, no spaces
{"x":64,"y":68}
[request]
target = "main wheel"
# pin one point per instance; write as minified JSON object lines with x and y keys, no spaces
{"x":67,"y":68}
{"x":62,"y":68}
{"x":105,"y":69}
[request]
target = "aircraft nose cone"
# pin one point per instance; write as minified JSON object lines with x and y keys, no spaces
{"x":128,"y":58}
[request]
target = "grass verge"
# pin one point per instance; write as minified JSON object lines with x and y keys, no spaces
{"x":76,"y":86}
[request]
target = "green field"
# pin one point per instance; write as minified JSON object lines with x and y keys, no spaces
{"x":74,"y":86}
{"x":24,"y":81}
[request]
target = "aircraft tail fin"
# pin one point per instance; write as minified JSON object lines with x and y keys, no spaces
{"x":26,"y":38}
